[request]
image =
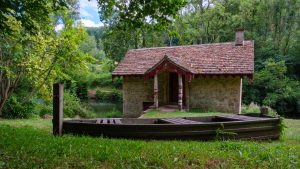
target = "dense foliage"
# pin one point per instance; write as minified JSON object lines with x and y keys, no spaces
{"x":33,"y":55}
{"x":113,"y":96}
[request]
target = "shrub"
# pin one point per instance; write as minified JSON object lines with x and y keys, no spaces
{"x":114,"y":114}
{"x":82,"y":90}
{"x":254,"y":108}
{"x":73,"y":107}
{"x":105,"y":80}
{"x":272,"y":87}
{"x":16,"y":109}
{"x":251,"y":108}
{"x":78,"y":88}
{"x":114,"y":96}
{"x":43,"y":109}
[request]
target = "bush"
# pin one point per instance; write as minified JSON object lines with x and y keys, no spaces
{"x":114,"y":96}
{"x":273,"y":88}
{"x":14,"y":108}
{"x":73,"y":107}
{"x":78,"y":88}
{"x":114,"y":114}
{"x":254,"y":108}
{"x":105,"y":80}
{"x":82,"y":91}
{"x":43,"y":109}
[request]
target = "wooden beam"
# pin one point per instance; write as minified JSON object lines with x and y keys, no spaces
{"x":57,"y":109}
{"x":155,"y":91}
{"x":240,"y":96}
{"x":180,"y":92}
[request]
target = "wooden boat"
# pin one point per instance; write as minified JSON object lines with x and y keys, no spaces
{"x":197,"y":128}
{"x":201,"y":128}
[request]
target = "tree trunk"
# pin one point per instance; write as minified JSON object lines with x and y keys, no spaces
{"x":2,"y":103}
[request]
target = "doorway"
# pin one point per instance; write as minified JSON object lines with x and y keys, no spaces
{"x":173,"y":88}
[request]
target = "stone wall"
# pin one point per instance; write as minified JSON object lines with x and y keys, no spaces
{"x":206,"y":94}
{"x":135,"y":92}
{"x":216,"y":94}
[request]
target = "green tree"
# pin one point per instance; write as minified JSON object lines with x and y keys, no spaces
{"x":273,"y":88}
{"x":33,"y":52}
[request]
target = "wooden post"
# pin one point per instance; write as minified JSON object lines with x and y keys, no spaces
{"x":155,"y":92}
{"x":180,"y":93}
{"x":57,"y":109}
{"x":240,"y":101}
{"x":187,"y":96}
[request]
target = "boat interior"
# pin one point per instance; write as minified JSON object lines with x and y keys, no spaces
{"x":177,"y":120}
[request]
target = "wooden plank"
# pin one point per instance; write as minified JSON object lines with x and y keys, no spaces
{"x":118,"y":121}
{"x":104,"y":121}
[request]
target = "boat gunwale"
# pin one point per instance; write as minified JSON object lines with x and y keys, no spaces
{"x":275,"y":119}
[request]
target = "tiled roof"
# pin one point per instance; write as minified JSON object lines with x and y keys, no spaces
{"x":216,"y":58}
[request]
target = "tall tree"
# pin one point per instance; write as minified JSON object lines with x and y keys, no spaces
{"x":30,"y":48}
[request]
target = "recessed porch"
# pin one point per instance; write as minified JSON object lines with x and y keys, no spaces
{"x":170,"y":82}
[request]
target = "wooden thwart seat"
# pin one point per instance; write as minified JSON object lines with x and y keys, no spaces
{"x":180,"y":121}
{"x":108,"y":121}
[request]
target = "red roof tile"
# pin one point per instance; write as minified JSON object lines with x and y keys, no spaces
{"x":216,"y":58}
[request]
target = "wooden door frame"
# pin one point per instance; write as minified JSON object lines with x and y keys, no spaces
{"x":169,"y":89}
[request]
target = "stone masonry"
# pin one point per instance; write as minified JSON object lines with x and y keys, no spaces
{"x":222,"y":94}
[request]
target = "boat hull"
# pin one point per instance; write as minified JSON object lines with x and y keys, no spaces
{"x":203,"y":128}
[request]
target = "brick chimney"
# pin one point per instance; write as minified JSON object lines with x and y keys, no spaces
{"x":239,"y":37}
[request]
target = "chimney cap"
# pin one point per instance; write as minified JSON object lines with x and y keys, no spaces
{"x":239,"y":37}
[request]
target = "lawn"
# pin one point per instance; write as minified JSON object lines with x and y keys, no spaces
{"x":30,"y":144}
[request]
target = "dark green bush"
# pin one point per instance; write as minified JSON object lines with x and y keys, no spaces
{"x":44,"y":108}
{"x":78,"y":88}
{"x":114,"y":96}
{"x":272,"y":87}
{"x":82,"y":90}
{"x":73,"y":107}
{"x":14,"y":108}
{"x":105,"y":80}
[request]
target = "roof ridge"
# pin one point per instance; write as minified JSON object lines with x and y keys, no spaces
{"x":181,"y":46}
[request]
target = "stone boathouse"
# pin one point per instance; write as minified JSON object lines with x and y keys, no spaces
{"x":204,"y":77}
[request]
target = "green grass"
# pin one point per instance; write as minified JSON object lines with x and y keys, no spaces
{"x":30,"y":144}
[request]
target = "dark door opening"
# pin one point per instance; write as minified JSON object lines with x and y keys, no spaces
{"x":173,"y":88}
